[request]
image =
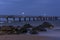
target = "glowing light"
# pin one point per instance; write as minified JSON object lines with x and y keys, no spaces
{"x":22,"y":13}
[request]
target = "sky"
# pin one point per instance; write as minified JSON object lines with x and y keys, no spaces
{"x":30,"y":7}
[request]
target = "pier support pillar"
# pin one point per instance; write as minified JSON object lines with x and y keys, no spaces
{"x":29,"y":19}
{"x":56,"y":18}
{"x":46,"y":18}
{"x":14,"y":19}
{"x":50,"y":18}
{"x":33,"y":19}
{"x":41,"y":18}
{"x":37,"y":18}
{"x":7,"y":19}
{"x":19,"y":19}
{"x":24,"y":18}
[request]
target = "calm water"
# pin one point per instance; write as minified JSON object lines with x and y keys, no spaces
{"x":33,"y":23}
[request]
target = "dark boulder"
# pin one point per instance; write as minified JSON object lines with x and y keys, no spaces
{"x":39,"y":28}
{"x":27,"y":26}
{"x":23,"y":30}
{"x":47,"y":25}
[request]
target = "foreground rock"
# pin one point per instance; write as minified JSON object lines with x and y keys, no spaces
{"x":23,"y":30}
{"x":39,"y":29}
{"x":7,"y":29}
{"x":47,"y":25}
{"x":27,"y":26}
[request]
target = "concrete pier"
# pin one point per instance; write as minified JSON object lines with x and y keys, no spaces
{"x":34,"y":18}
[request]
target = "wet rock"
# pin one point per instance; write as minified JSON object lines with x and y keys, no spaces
{"x":27,"y":26}
{"x":23,"y":30}
{"x":39,"y":28}
{"x":47,"y":25}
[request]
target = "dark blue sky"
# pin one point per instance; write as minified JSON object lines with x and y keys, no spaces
{"x":30,"y":7}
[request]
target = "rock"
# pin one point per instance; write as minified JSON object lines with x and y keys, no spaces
{"x":47,"y":25}
{"x":23,"y":30}
{"x":39,"y":29}
{"x":27,"y":26}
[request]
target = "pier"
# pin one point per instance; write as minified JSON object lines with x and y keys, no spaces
{"x":28,"y":18}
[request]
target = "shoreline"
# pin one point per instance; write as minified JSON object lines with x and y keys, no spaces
{"x":26,"y":37}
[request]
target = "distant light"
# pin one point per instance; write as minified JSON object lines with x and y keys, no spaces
{"x":22,"y":12}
